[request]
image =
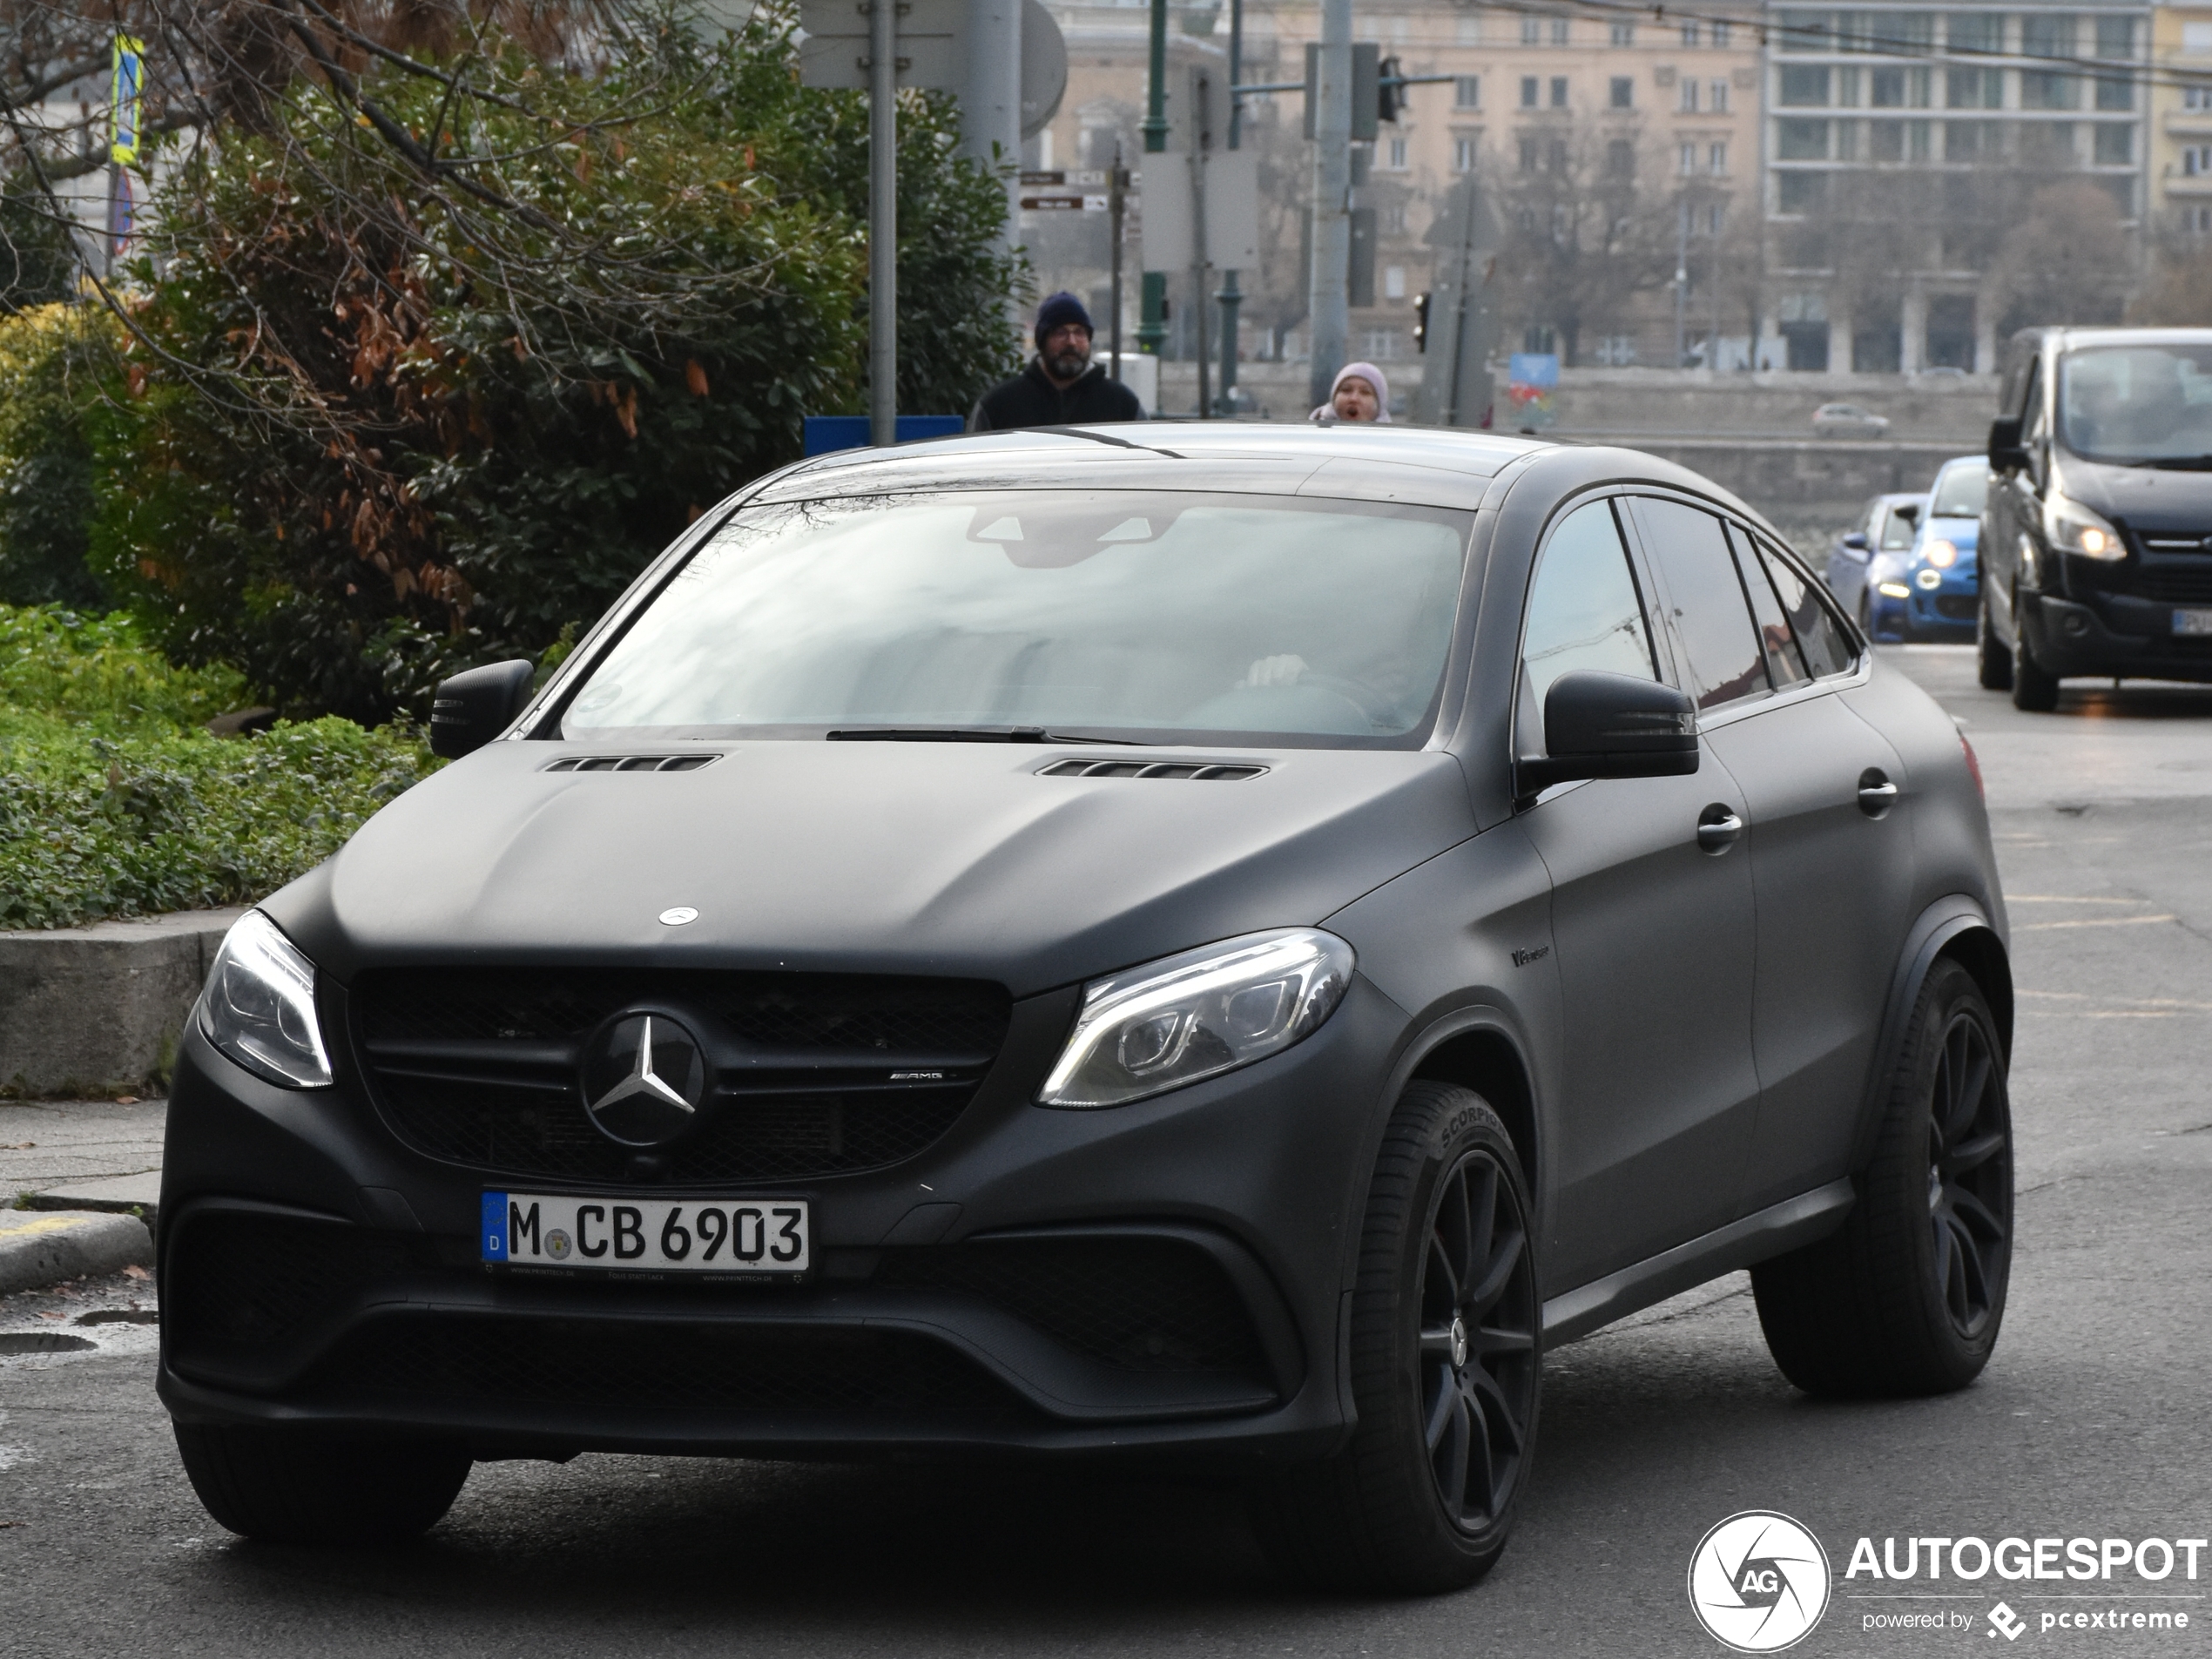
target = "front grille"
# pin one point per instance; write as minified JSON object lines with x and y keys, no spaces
{"x":480,"y":1068}
{"x":243,"y":1283}
{"x":1956,"y":607}
{"x":2175,"y":583}
{"x":1136,"y":1304}
{"x":625,"y":1364}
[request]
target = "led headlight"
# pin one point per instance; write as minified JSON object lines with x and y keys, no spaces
{"x":1941,"y":554}
{"x":1894,"y":590}
{"x":1204,"y":1011}
{"x":2073,"y":529}
{"x":259,"y":1005}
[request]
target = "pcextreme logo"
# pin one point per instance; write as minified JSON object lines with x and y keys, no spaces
{"x":1758,"y":1581}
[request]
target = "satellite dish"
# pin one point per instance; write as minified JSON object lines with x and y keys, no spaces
{"x":1044,"y":68}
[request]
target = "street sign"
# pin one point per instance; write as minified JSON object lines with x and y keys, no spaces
{"x":1058,"y":204}
{"x":1231,"y":186}
{"x":1044,"y":68}
{"x":125,"y":99}
{"x":835,"y":52}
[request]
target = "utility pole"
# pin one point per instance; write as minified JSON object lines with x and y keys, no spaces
{"x":1116,"y":209}
{"x":1328,"y":304}
{"x":883,"y":222}
{"x":1152,"y":322}
{"x":1200,"y":261}
{"x":1229,"y":295}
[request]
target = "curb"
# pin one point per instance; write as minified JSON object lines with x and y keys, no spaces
{"x":122,"y":1195}
{"x":42,"y":1248}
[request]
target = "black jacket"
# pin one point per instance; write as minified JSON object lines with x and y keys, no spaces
{"x":1030,"y":399}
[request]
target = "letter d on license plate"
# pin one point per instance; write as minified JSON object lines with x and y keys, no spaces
{"x":730,"y":1236}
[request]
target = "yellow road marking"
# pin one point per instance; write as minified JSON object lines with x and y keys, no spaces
{"x":2092,"y":921}
{"x":37,"y":1223}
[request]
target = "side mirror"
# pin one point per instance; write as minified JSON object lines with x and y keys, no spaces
{"x":1611,"y":725}
{"x":473,"y":708}
{"x":1857,"y":542}
{"x":1910,"y":512}
{"x":2006,"y":453}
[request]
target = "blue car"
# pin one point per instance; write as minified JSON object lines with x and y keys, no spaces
{"x":1872,"y":551}
{"x":1934,"y":595}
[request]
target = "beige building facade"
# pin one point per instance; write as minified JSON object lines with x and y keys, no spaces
{"x":2179,"y":173}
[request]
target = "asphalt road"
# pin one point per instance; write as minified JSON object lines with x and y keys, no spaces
{"x":2091,"y":1422}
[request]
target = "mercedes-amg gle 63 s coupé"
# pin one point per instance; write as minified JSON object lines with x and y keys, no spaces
{"x":1205,"y":941}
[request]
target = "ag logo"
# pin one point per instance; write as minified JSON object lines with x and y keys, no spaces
{"x":1758,"y":1581}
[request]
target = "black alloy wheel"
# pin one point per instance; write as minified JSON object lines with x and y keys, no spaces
{"x":1969,"y":1177}
{"x":2035,"y":689}
{"x":1446,"y":1363}
{"x":1906,"y":1297}
{"x":1477,"y":1341}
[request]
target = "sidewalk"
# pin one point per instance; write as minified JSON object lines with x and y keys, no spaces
{"x":81,"y":1154}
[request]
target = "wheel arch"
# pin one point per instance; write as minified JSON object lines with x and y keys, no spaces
{"x":1485,"y":1057}
{"x":1954,"y":928}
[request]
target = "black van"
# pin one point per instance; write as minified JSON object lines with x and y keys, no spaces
{"x":2096,"y":542}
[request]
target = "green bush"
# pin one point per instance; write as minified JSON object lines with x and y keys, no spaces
{"x":114,"y":800}
{"x":376,"y":465}
{"x":52,"y":359}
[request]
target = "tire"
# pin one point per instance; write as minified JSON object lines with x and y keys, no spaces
{"x":289,"y":1486}
{"x":1993,"y":662}
{"x":1907,"y":1298}
{"x":2035,"y":689}
{"x":1446,"y":1363}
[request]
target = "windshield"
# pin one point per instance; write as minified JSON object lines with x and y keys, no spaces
{"x":1160,"y":615}
{"x":1961,"y":489}
{"x":2137,"y":405}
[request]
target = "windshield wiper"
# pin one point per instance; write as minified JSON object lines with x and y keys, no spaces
{"x":2176,"y":463}
{"x":964,"y":734}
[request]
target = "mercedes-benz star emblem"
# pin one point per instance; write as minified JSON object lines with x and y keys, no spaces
{"x":643,"y":1078}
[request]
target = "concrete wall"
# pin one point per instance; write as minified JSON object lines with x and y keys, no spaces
{"x":97,"y":1010}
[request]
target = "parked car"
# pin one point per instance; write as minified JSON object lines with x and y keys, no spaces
{"x":1873,"y":550}
{"x":1197,"y":941}
{"x":1934,"y":593}
{"x":2097,"y":536}
{"x":1847,"y":421}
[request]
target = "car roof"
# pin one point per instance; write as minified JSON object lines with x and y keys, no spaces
{"x":2076,"y":339}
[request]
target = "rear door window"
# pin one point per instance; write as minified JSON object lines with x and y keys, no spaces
{"x":1826,"y":647}
{"x":1705,"y":602}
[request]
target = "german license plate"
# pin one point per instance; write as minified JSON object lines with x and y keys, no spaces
{"x":747,"y":1236}
{"x":2193,"y":622}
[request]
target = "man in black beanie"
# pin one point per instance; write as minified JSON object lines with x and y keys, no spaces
{"x":1061,"y":386}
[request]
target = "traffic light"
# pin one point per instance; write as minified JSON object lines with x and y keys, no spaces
{"x":1389,"y":92}
{"x":1378,"y":89}
{"x":1420,"y":322}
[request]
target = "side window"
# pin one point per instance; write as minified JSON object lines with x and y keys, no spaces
{"x":1896,"y":535}
{"x":1827,"y":649}
{"x":1784,"y":664}
{"x":1583,"y":613}
{"x":1705,"y":602}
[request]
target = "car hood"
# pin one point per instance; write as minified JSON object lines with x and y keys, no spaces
{"x":1961,"y":533}
{"x":954,"y":859}
{"x":2143,"y":497}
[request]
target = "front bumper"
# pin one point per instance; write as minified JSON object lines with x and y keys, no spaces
{"x":1173,"y":1273}
{"x":2112,"y":634}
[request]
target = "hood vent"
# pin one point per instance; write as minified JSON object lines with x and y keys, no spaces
{"x":1207,"y":770}
{"x":630,"y":763}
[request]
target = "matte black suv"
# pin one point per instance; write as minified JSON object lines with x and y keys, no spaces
{"x":2096,"y":540}
{"x":1232,"y":942}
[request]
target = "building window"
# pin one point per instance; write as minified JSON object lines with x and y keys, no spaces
{"x":1847,"y":79}
{"x":1531,"y":32}
{"x":1689,"y":36}
{"x":1885,"y":141}
{"x":1885,"y":89}
{"x":1716,"y":164}
{"x":1803,"y":31}
{"x":1803,"y":86}
{"x":1847,"y":140}
{"x":1798,"y":140}
{"x":1616,"y":351}
{"x":1620,"y":158}
{"x":1964,"y":140}
{"x":2115,"y":94}
{"x":2196,"y":98}
{"x":1463,"y":148}
{"x":2115,"y":36}
{"x":1527,"y":91}
{"x":1394,"y":282}
{"x":1393,"y":219}
{"x":1466,"y":92}
{"x":2196,"y":39}
{"x":1687,"y":103}
{"x":2196,"y":160}
{"x":1559,"y":31}
{"x":2044,"y":90}
{"x":1802,"y":192}
{"x":2115,"y":144}
{"x":1396,"y":156}
{"x":1624,"y":33}
{"x":2197,"y":221}
{"x":1976,"y":31}
{"x":1470,"y":31}
{"x":1531,"y":150}
{"x":1622,"y":94}
{"x":2047,"y":34}
{"x":1974,"y":89}
{"x":1559,"y":92}
{"x":1718,"y":102}
{"x":1686,"y":163}
{"x":1720,"y":34}
{"x":1382,"y":344}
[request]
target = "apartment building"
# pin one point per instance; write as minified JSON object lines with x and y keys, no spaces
{"x":1899,"y":138}
{"x":2179,"y":171}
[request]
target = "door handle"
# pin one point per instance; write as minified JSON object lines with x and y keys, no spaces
{"x":1877,"y":795}
{"x":1718,"y":829}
